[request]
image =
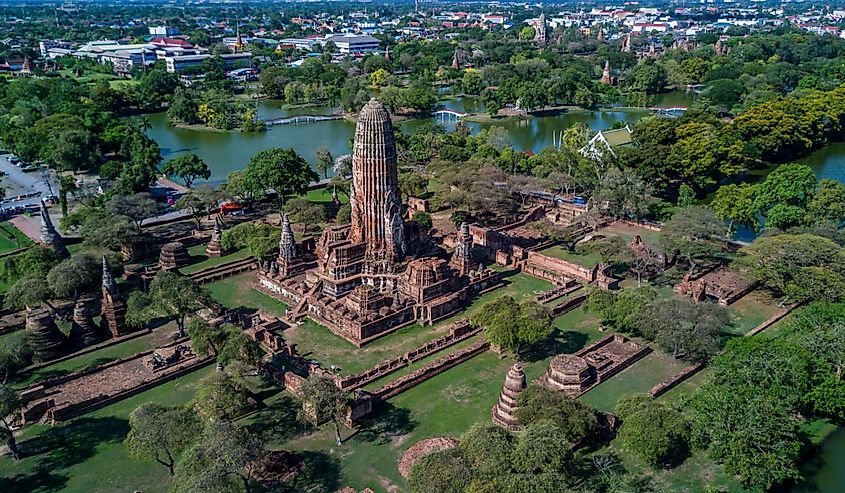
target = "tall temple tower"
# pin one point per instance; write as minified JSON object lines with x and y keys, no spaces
{"x":606,"y":78}
{"x":376,"y":204}
{"x":49,"y":236}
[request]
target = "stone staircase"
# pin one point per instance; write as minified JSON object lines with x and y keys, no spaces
{"x":296,"y":313}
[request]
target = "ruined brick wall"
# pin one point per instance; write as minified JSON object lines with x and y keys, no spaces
{"x":554,"y":265}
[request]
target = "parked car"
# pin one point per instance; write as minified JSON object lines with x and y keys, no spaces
{"x":15,"y":160}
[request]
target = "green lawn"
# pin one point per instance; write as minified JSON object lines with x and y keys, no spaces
{"x":199,"y":260}
{"x":11,"y":238}
{"x":86,"y":454}
{"x":237,"y":292}
{"x":588,"y":260}
{"x":752,"y":310}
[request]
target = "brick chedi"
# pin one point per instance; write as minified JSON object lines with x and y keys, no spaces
{"x":49,"y":236}
{"x":291,"y":261}
{"x":215,"y":247}
{"x":45,"y":338}
{"x":113,"y":306}
{"x":83,"y":331}
{"x":173,"y":255}
{"x":505,"y":409}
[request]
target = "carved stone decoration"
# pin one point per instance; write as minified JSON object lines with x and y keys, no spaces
{"x":287,"y":243}
{"x":47,"y":341}
{"x":505,"y":409}
{"x":375,"y":182}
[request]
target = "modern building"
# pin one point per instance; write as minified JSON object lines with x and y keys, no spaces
{"x":166,"y":31}
{"x":180,"y":63}
{"x":352,"y":43}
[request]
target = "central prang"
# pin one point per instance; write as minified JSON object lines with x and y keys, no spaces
{"x":379,"y":272}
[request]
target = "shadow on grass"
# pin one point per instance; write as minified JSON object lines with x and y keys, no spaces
{"x":60,"y":448}
{"x":322,"y":473}
{"x":557,"y":343}
{"x":195,"y":259}
{"x":389,"y":422}
{"x":279,"y":421}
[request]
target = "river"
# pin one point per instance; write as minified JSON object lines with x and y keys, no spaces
{"x":229,"y":151}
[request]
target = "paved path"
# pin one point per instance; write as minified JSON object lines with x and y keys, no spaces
{"x":20,"y":184}
{"x":27,"y":227}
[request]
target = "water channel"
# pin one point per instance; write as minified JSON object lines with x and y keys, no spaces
{"x":229,"y":151}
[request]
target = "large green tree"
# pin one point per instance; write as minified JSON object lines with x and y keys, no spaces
{"x":281,"y":170}
{"x":161,"y":433}
{"x":187,"y":167}
{"x":510,"y":325}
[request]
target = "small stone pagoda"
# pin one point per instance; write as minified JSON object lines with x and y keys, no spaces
{"x":462,"y":260}
{"x":114,"y":306}
{"x":83,"y":331}
{"x":291,"y":262}
{"x":215,"y":247}
{"x":47,"y":341}
{"x":49,"y":236}
{"x":504,"y":412}
{"x":173,"y":255}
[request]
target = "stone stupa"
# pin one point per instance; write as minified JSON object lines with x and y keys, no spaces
{"x":83,"y":331}
{"x":47,"y":341}
{"x":113,"y":315}
{"x":49,"y":236}
{"x":504,"y":412}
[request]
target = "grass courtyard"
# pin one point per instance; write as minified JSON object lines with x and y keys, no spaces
{"x":199,"y":260}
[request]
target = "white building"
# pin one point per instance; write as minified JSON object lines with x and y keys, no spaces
{"x":165,"y":31}
{"x":353,"y":44}
{"x":180,"y":63}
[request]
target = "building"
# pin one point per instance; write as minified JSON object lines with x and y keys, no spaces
{"x":230,"y":60}
{"x":380,"y":272}
{"x":165,"y":31}
{"x":352,"y":43}
{"x":608,"y":141}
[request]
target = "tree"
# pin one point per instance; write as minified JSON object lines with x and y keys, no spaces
{"x":10,"y":404}
{"x":238,"y":347}
{"x":527,"y":33}
{"x":542,"y":449}
{"x":423,"y":219}
{"x":648,"y":76}
{"x":102,"y":227}
{"x":620,"y":310}
{"x":28,"y":292}
{"x":413,"y":184}
{"x":325,"y":161}
{"x":510,"y":325}
{"x":444,"y":471}
{"x":138,"y":206}
{"x":220,"y":396}
{"x":222,"y":460}
{"x":379,"y":77}
{"x":654,"y":432}
{"x":200,"y":201}
{"x":262,"y":239}
{"x":75,"y":149}
{"x":205,"y":337}
{"x":694,"y":233}
{"x":161,"y":433}
{"x":15,"y":355}
{"x":622,"y":194}
{"x":689,"y":329}
{"x":803,"y":266}
{"x":67,"y":184}
{"x":35,"y":261}
{"x":575,"y":419}
{"x":322,"y":400}
{"x":487,"y":449}
{"x":734,"y":204}
{"x":175,"y":296}
{"x":281,"y":170}
{"x":75,"y":275}
{"x":189,"y":167}
{"x":783,"y":196}
{"x":304,"y":212}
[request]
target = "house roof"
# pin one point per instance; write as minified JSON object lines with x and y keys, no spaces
{"x":618,"y":137}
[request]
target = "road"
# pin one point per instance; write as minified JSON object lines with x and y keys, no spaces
{"x":30,"y":187}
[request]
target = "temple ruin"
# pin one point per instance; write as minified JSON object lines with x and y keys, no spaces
{"x":47,"y":341}
{"x":215,"y":247}
{"x":173,"y":255}
{"x":113,"y":314}
{"x":380,"y":272}
{"x":49,"y":236}
{"x":504,"y":412}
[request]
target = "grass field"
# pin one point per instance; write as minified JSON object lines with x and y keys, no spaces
{"x":11,"y":238}
{"x":199,"y":260}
